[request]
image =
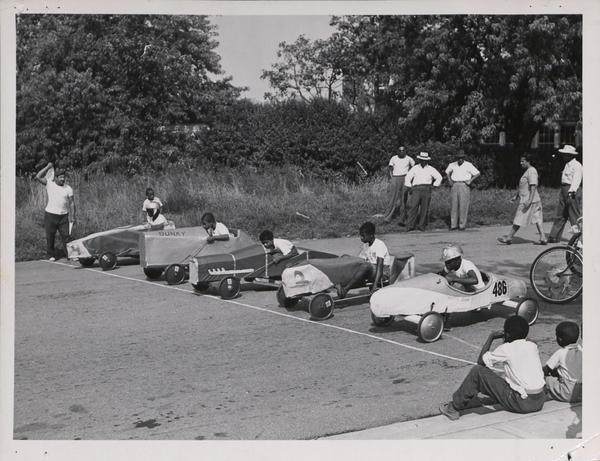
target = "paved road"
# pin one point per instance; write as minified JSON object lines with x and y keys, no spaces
{"x":109,"y":355}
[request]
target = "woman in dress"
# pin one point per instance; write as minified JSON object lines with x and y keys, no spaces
{"x":529,"y":210}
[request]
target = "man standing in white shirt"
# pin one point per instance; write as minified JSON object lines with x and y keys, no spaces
{"x":399,"y":165}
{"x":569,"y":200}
{"x":60,"y":210}
{"x":420,"y":179}
{"x":460,"y":176}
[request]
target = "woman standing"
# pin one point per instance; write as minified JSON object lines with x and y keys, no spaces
{"x":529,"y":210}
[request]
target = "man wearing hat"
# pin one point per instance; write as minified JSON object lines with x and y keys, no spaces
{"x":399,"y":165}
{"x":420,"y":179}
{"x":460,"y":176}
{"x":569,"y":200}
{"x":60,"y":210}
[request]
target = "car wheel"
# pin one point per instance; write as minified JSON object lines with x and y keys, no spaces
{"x":528,"y":309}
{"x":87,"y":262}
{"x":201,"y":287}
{"x":321,"y":306}
{"x":175,"y":274}
{"x":430,"y":327}
{"x":381,"y":321}
{"x":229,"y":287}
{"x":107,"y":260}
{"x":152,"y":272}
{"x":283,"y":300}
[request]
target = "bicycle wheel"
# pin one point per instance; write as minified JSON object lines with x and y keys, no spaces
{"x":576,"y":242}
{"x":556,"y":275}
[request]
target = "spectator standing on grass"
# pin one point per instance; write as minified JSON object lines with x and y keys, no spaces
{"x":420,"y":180}
{"x":563,"y":369}
{"x":399,"y":165}
{"x":60,"y":209}
{"x":520,"y":386}
{"x":570,"y":195}
{"x":460,"y":176}
{"x":529,"y":210}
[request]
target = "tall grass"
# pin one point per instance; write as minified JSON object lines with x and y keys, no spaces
{"x":246,"y":199}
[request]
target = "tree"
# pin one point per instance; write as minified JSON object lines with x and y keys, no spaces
{"x":103,"y":90}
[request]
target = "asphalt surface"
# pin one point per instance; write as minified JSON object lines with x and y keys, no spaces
{"x":110,"y":355}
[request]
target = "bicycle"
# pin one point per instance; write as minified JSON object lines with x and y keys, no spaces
{"x":556,"y":274}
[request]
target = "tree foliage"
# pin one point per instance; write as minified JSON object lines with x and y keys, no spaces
{"x":102,"y":90}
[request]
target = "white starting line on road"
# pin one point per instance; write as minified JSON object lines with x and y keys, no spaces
{"x":262,"y":309}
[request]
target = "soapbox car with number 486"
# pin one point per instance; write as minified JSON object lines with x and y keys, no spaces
{"x":429,"y":299}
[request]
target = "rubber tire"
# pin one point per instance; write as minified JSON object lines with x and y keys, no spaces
{"x":566,"y":249}
{"x":283,"y":300}
{"x":529,"y":309}
{"x":431,"y":327}
{"x":573,"y":243}
{"x":175,"y":274}
{"x":87,"y":262}
{"x":107,"y":260}
{"x":321,"y":306}
{"x":152,"y":273}
{"x":201,"y":287}
{"x":381,"y":321}
{"x":229,"y":287}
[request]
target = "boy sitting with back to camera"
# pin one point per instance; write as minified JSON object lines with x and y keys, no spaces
{"x":563,"y":369}
{"x":381,"y":264}
{"x":281,"y":249}
{"x":460,"y":272}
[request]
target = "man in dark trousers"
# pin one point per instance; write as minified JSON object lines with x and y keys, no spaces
{"x":60,"y":210}
{"x":420,"y":180}
{"x":570,"y":196}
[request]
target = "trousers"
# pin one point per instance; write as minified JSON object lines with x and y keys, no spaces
{"x":567,"y":209}
{"x":418,"y":207}
{"x":52,"y":223}
{"x":461,"y":198}
{"x":398,"y":201}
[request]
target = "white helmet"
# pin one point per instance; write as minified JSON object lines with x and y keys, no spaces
{"x":450,"y":252}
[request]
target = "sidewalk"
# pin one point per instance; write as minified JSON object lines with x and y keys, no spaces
{"x":555,"y":421}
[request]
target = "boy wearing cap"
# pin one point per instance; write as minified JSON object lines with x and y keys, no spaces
{"x":420,"y":179}
{"x":399,"y":166}
{"x":569,"y":199}
{"x":60,"y":209}
{"x":460,"y":176}
{"x":460,"y":272}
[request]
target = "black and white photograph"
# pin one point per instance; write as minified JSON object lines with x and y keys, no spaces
{"x":353,"y":227}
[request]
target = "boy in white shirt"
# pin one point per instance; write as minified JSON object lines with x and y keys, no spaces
{"x":563,"y":370}
{"x":281,"y":249}
{"x":150,"y":198}
{"x":156,"y":220}
{"x":399,"y":166}
{"x":59,"y":214}
{"x":381,"y":264}
{"x":519,"y":384}
{"x":217,"y":231}
{"x":460,"y":272}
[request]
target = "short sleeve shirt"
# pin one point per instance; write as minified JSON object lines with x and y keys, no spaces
{"x":377,"y":249}
{"x":520,"y":363}
{"x":220,"y":229}
{"x":58,"y":197}
{"x":465,"y":267}
{"x":401,"y":166}
{"x":567,"y":362}
{"x":462,"y":172}
{"x":419,"y":175}
{"x":160,"y":219}
{"x":148,"y":202}
{"x":529,"y":178}
{"x":285,"y":246}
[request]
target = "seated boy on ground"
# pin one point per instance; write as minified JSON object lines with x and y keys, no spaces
{"x":281,"y":249}
{"x":460,"y":272}
{"x":216,"y":230}
{"x":520,"y":389}
{"x":151,"y":198}
{"x":563,"y":369}
{"x":381,"y":263}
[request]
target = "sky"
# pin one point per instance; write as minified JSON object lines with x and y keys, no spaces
{"x":248,"y":44}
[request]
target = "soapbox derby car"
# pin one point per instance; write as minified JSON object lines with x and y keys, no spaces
{"x":109,"y":245}
{"x":315,"y":281}
{"x":429,"y":299}
{"x":170,"y":251}
{"x":252,"y":264}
